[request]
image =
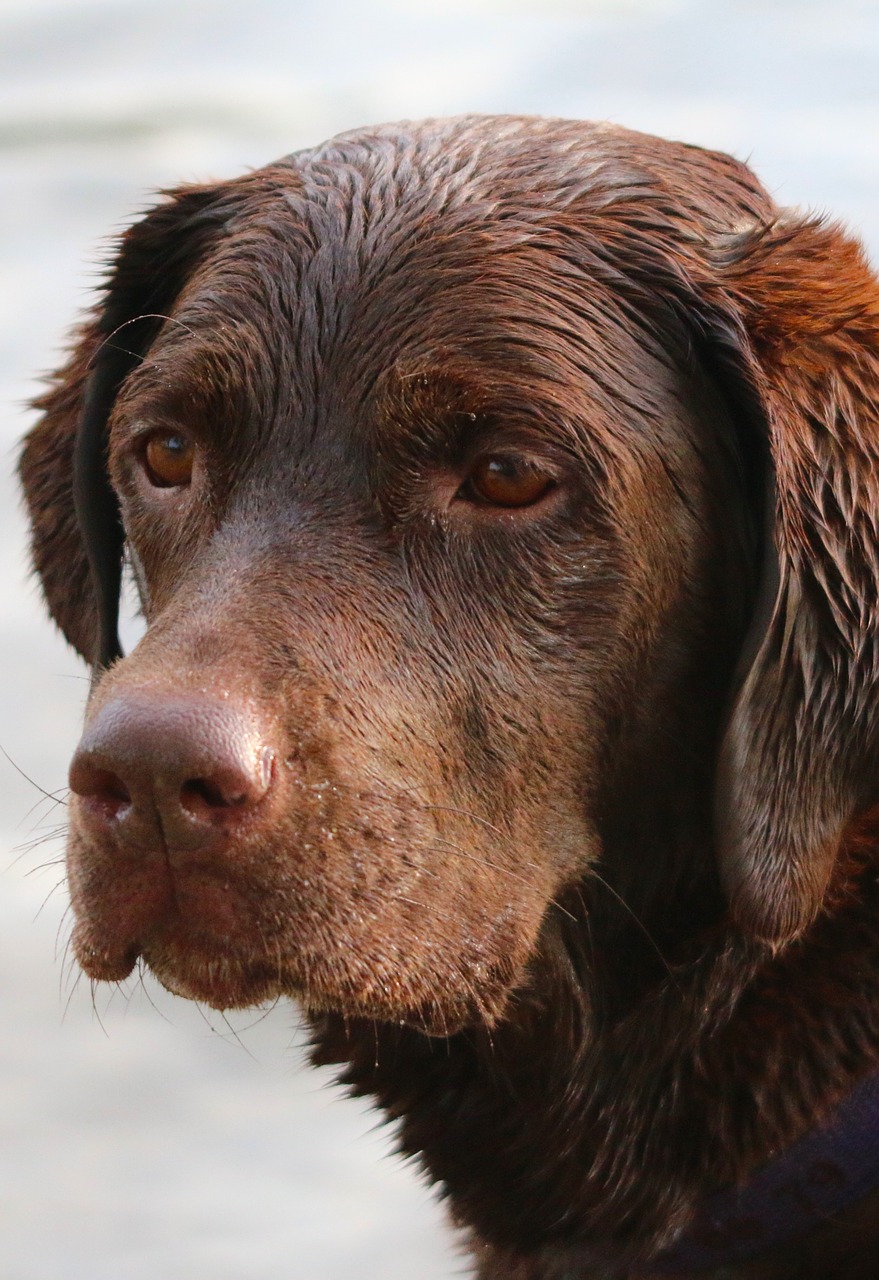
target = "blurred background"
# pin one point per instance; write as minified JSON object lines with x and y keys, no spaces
{"x":141,"y":1137}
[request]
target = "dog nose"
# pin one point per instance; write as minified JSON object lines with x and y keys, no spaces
{"x":194,"y":765}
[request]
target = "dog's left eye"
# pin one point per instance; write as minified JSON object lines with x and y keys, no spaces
{"x":507,"y":480}
{"x":168,"y":458}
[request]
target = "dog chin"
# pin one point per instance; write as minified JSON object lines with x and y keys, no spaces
{"x":220,"y":981}
{"x":224,"y":982}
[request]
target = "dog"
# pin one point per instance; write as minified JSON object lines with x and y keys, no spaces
{"x":502,"y":496}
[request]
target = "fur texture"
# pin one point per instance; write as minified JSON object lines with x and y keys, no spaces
{"x":556,"y":815}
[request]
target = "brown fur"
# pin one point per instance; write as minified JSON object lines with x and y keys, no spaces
{"x":565,"y":841}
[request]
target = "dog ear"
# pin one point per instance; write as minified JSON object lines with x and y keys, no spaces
{"x":799,"y":315}
{"x":77,"y":536}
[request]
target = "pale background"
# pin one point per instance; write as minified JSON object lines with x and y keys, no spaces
{"x":141,"y":1139}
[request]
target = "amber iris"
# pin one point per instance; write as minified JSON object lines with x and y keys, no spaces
{"x":505,"y":480}
{"x":169,"y":458}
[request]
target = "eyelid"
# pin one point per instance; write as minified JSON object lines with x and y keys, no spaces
{"x":547,"y":459}
{"x":509,"y":479}
{"x":134,"y":434}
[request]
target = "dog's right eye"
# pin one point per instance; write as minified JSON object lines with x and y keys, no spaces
{"x":507,"y":480}
{"x":168,"y":459}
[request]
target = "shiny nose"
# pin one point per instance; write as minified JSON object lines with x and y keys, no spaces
{"x":193,"y":765}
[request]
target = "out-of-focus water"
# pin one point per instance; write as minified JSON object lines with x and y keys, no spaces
{"x":140,"y":1138}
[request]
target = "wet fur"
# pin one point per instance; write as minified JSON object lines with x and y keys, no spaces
{"x":573,"y":865}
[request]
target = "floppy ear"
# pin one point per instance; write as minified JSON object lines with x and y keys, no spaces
{"x":77,"y":537}
{"x":800,"y":757}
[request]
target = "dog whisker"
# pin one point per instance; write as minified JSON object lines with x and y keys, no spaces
{"x":48,"y":795}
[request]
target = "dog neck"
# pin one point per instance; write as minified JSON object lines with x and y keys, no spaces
{"x":567,"y":1140}
{"x":811,"y":1183}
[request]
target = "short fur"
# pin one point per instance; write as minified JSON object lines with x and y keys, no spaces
{"x":568,"y":849}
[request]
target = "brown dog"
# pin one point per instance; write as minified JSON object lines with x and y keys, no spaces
{"x":502,"y":495}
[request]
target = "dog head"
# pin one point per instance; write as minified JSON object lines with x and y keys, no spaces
{"x":500,"y":498}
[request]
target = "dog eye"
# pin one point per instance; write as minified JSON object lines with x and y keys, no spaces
{"x":168,"y":459}
{"x":506,"y":480}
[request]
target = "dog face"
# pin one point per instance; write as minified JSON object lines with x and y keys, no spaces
{"x":441,"y":458}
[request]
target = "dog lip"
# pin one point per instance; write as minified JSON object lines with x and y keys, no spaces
{"x":102,"y":963}
{"x":205,"y":972}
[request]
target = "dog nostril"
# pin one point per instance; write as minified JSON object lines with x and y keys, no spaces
{"x":100,"y":786}
{"x":229,"y":788}
{"x":188,"y":766}
{"x":202,"y":789}
{"x":198,"y":791}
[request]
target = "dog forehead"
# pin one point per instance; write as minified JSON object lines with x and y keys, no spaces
{"x":380,"y":244}
{"x":403,"y":215}
{"x":540,"y":163}
{"x":353,"y":203}
{"x":404,"y":249}
{"x":306,"y":305}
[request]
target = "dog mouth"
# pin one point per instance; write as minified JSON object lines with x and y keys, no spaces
{"x":235,"y":933}
{"x":216,"y":979}
{"x":209,"y":969}
{"x":208,"y":972}
{"x":196,"y":930}
{"x":100,"y":960}
{"x":213,"y":976}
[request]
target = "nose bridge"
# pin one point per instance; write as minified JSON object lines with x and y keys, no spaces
{"x":290,"y":590}
{"x":315,"y":586}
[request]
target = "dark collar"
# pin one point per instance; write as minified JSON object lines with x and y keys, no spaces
{"x":815,"y":1179}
